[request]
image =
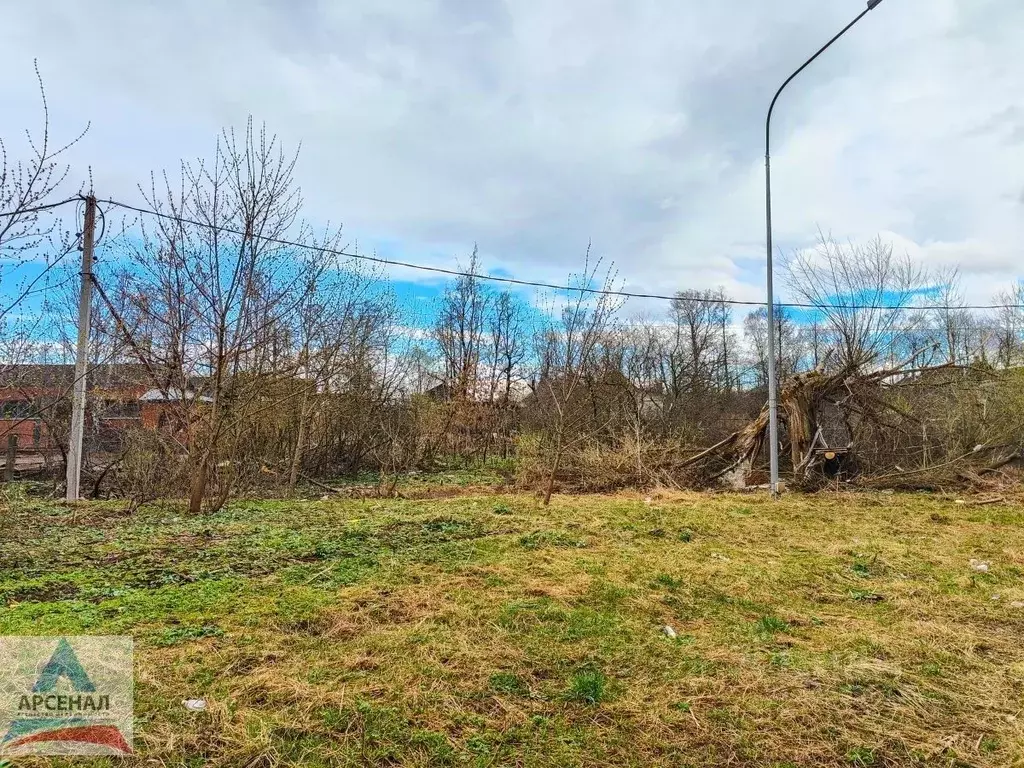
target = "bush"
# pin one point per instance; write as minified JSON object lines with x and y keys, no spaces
{"x":597,"y":466}
{"x":152,"y":466}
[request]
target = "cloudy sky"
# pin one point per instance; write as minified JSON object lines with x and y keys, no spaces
{"x":533,"y":127}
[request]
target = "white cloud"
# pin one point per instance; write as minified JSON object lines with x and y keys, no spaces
{"x":532,"y":127}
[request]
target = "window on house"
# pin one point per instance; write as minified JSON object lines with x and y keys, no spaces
{"x":121,"y":409}
{"x":15,"y":409}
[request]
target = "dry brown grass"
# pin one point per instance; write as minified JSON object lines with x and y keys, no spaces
{"x":827,"y":630}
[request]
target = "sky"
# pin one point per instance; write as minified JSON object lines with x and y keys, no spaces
{"x":533,"y":128}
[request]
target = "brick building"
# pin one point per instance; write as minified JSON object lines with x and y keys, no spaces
{"x":35,"y":401}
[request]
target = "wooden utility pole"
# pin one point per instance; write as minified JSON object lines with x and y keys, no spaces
{"x":81,"y":353}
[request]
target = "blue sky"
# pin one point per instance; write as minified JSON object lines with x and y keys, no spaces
{"x":532,"y":128}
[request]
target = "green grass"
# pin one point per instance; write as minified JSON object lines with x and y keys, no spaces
{"x":485,"y":630}
{"x":588,"y":686}
{"x":769,"y":625}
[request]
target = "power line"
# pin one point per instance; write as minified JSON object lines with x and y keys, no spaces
{"x":36,"y":209}
{"x":511,"y":280}
{"x":421,"y":267}
{"x":539,"y":284}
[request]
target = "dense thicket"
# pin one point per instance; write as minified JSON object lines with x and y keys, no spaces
{"x":282,"y":365}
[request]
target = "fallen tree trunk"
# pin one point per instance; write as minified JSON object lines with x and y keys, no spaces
{"x":852,"y":402}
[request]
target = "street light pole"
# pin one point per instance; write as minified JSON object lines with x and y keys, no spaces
{"x":773,"y":400}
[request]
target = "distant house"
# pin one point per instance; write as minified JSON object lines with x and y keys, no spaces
{"x":35,"y":398}
{"x":479,"y":392}
{"x":155,"y":405}
{"x":440,"y":393}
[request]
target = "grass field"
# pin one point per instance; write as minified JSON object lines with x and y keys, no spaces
{"x":485,"y":630}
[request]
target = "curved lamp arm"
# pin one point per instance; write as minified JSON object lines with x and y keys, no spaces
{"x":773,"y":419}
{"x":872,"y":4}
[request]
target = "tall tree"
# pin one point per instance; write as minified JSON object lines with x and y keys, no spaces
{"x":1009,"y":322}
{"x":860,"y":291}
{"x":459,"y":330}
{"x":506,"y":346}
{"x":216,"y":293}
{"x":699,"y":317}
{"x":789,"y":343}
{"x":567,"y":342}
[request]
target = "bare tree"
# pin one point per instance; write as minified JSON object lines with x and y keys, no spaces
{"x":816,"y":343}
{"x":671,"y":361}
{"x":1009,"y":322}
{"x":505,"y":355}
{"x":214,"y":291}
{"x":334,"y":327}
{"x":364,"y":409}
{"x":459,"y":331}
{"x":506,"y":350}
{"x":790,"y":344}
{"x":566,"y":344}
{"x":636,"y":347}
{"x":728,"y":378}
{"x":421,"y":366}
{"x":948,"y":323}
{"x":32,"y":240}
{"x":860,"y":290}
{"x":699,"y":317}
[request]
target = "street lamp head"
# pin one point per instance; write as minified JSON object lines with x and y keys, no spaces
{"x":872,"y":4}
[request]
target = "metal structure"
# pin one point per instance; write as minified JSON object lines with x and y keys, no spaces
{"x":773,"y":385}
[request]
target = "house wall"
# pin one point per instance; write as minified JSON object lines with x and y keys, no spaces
{"x":32,"y":434}
{"x":150,"y":415}
{"x":113,"y":403}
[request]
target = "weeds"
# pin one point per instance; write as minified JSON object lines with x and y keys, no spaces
{"x":861,"y":757}
{"x":446,"y":632}
{"x":588,"y":686}
{"x":539,"y":539}
{"x":506,"y":682}
{"x":183,"y":634}
{"x":770,"y":625}
{"x":669,"y":582}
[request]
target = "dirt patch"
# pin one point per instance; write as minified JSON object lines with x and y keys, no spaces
{"x":40,"y":593}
